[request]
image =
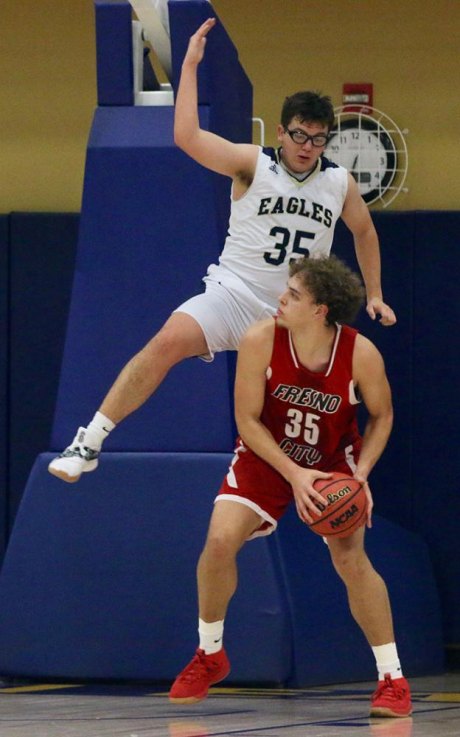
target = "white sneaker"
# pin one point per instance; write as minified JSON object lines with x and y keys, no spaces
{"x":76,"y":459}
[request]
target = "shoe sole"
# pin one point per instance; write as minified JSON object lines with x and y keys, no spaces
{"x":64,"y":476}
{"x":382,"y":711}
{"x":196,"y":699}
{"x":91,"y":466}
{"x":188,"y":699}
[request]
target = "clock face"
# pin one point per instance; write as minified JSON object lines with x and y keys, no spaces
{"x":366,"y":149}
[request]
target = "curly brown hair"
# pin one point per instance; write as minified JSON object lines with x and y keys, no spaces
{"x":332,"y":283}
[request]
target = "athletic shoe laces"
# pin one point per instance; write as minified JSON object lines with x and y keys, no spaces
{"x":390,"y":690}
{"x":198,"y":668}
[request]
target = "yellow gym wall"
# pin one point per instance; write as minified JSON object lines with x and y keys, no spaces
{"x":408,"y":49}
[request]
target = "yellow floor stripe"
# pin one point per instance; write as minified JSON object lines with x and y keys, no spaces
{"x":448,"y":697}
{"x":235,"y":691}
{"x":272,"y":692}
{"x":277,"y":693}
{"x":40,"y":687}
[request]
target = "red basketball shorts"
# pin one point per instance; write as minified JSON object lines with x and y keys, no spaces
{"x":253,"y":482}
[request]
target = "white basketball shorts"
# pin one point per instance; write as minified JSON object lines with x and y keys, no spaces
{"x":225,"y":310}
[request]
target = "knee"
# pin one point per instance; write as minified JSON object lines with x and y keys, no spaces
{"x":351,"y":567}
{"x":220,"y":548}
{"x":166,"y":347}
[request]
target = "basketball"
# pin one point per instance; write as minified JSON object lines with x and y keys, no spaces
{"x":345,"y":505}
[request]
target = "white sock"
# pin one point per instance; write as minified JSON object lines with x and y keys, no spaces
{"x":98,"y":429}
{"x":386,"y":658}
{"x":211,"y":635}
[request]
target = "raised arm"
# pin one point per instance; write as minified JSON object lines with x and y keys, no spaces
{"x":357,"y":218}
{"x":236,"y":160}
{"x":254,"y":356}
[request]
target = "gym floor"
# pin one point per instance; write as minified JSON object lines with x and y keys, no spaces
{"x":97,"y":710}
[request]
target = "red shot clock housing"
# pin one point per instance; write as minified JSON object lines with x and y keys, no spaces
{"x":357,"y":97}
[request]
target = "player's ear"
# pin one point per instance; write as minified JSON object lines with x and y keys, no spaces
{"x":321,"y":311}
{"x":279,"y":132}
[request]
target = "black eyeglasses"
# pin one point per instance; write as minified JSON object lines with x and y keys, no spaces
{"x":318,"y":140}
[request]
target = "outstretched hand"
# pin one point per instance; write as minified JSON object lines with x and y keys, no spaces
{"x":376,"y":307}
{"x":197,"y":43}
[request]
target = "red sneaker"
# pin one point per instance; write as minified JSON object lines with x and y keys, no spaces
{"x":392,"y":698}
{"x":193,"y":683}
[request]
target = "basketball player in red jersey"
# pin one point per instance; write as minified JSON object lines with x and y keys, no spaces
{"x":299,"y":380}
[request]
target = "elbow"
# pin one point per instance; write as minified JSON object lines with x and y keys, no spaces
{"x":179,"y":138}
{"x":389,"y":414}
{"x":382,"y":421}
{"x":239,"y":424}
{"x":386,"y":417}
{"x":243,"y":425}
{"x":390,"y":420}
{"x":386,"y":421}
{"x":183,"y":131}
{"x":185,"y":140}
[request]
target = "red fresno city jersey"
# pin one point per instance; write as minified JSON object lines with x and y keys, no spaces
{"x":312,"y":415}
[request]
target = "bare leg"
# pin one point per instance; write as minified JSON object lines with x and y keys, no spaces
{"x":370,"y":607}
{"x":180,"y":337}
{"x":367,"y":592}
{"x":231,"y":524}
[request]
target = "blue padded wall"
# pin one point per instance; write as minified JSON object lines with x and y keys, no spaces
{"x":396,"y":233}
{"x":97,"y":580}
{"x":114,"y":51}
{"x":420,"y":257}
{"x":222,"y":82}
{"x":436,"y":358}
{"x":4,"y":402}
{"x":136,"y":262}
{"x":152,"y":221}
{"x":327,"y":644}
{"x":42,"y":261}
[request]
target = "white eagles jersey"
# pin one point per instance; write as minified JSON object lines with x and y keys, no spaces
{"x":279,"y":219}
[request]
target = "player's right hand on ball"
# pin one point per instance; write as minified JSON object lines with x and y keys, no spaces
{"x":306,"y":497}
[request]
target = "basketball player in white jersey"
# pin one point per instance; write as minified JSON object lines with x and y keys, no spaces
{"x":284,"y":205}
